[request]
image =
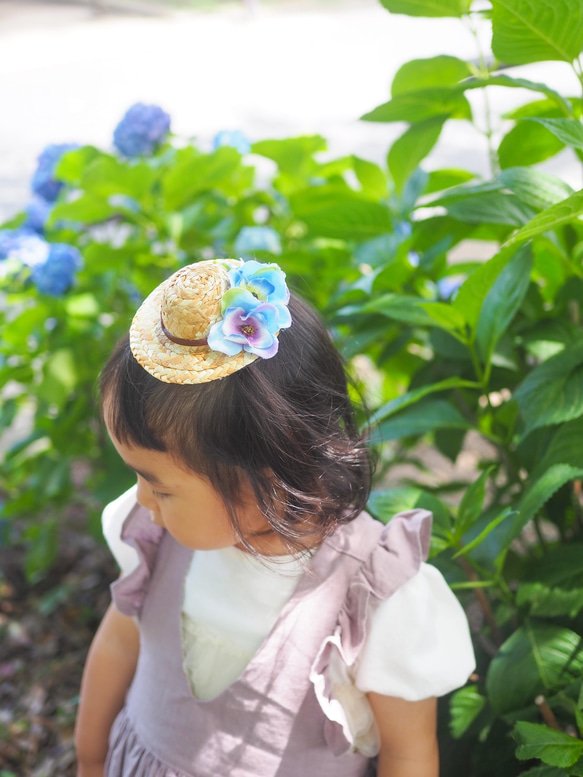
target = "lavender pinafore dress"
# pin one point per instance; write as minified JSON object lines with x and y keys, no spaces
{"x":279,"y":718}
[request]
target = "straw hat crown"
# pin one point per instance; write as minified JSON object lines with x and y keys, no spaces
{"x":191,"y":302}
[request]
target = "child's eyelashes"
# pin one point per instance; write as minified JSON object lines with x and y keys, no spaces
{"x":159,"y":495}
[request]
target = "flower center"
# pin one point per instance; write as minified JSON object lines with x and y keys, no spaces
{"x":248,"y":330}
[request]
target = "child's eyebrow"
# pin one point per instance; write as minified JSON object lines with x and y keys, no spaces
{"x":150,"y":477}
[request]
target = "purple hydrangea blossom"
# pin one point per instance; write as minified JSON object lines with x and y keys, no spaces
{"x":252,"y":239}
{"x":37,"y":212}
{"x":233,"y":138}
{"x":44,"y":183}
{"x":56,"y":275}
{"x":142,"y":130}
{"x":266,"y":282}
{"x":247,"y":325}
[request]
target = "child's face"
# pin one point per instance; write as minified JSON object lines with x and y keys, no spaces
{"x":185,"y":503}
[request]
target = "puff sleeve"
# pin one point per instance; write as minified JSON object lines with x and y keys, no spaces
{"x":418,"y":643}
{"x":112,"y":520}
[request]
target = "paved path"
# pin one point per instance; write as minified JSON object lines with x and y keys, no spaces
{"x":295,"y":67}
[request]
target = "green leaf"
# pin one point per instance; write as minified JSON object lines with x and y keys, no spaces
{"x":526,"y":31}
{"x":537,"y":658}
{"x":411,"y":397}
{"x":193,"y":173}
{"x":560,"y":566}
{"x":544,"y":601}
{"x":412,"y":147}
{"x":491,"y":208}
{"x":557,"y":215}
{"x":465,"y":706}
{"x":443,"y":315}
{"x":59,"y":376}
{"x":568,"y":131}
{"x":415,"y":107}
{"x":508,"y":513}
{"x":540,"y":491}
{"x":72,"y":164}
{"x":291,"y":155}
{"x":553,"y":391}
{"x":429,"y":73}
{"x":471,"y":505}
{"x":545,"y":771}
{"x":386,"y":503}
{"x":340,"y":214}
{"x":527,"y":144}
{"x":555,"y":99}
{"x":438,"y":180}
{"x":473,"y":291}
{"x":42,"y":546}
{"x":431,"y":8}
{"x":107,"y":176}
{"x":503,"y":301}
{"x":549,"y":745}
{"x":424,"y":417}
{"x":86,"y":209}
{"x":371,"y":178}
{"x":82,"y":305}
{"x":533,"y":187}
{"x":413,"y":310}
{"x":564,"y":448}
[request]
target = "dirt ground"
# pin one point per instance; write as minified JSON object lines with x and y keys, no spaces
{"x":45,"y":632}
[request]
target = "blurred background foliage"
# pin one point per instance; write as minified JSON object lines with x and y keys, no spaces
{"x":445,"y":349}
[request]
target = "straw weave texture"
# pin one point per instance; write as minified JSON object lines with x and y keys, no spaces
{"x":189,"y":303}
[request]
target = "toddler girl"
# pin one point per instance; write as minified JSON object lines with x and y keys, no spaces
{"x":263,"y":624}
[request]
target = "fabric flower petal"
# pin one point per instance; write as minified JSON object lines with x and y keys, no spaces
{"x":218,"y":342}
{"x":264,"y":353}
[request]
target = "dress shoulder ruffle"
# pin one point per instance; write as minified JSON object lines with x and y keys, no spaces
{"x":402,"y":547}
{"x":138,"y":531}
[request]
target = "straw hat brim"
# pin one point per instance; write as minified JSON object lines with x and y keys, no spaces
{"x":172,"y":363}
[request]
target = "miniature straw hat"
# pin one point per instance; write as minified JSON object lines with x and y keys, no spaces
{"x":169,"y":332}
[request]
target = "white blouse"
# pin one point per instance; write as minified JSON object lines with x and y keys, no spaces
{"x":418,"y":643}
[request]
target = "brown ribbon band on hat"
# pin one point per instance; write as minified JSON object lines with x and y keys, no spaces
{"x":181,"y":340}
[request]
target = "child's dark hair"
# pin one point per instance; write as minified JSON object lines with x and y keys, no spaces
{"x":286,"y":424}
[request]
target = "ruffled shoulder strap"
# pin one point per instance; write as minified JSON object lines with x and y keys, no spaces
{"x":141,"y":533}
{"x":397,"y":552}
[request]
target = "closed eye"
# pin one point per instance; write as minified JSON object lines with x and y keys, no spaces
{"x":159,"y":495}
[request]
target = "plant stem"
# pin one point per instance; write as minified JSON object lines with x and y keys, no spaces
{"x":483,"y":602}
{"x":546,"y":712}
{"x":485,"y":73}
{"x":578,"y":70}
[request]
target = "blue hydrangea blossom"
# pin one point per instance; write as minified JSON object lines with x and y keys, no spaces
{"x":37,"y":212}
{"x":233,"y":138}
{"x":23,"y":246}
{"x":142,"y":130}
{"x":56,"y":275}
{"x":44,"y":183}
{"x":252,"y":239}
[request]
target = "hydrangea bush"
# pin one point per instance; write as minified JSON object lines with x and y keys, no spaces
{"x":446,"y":348}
